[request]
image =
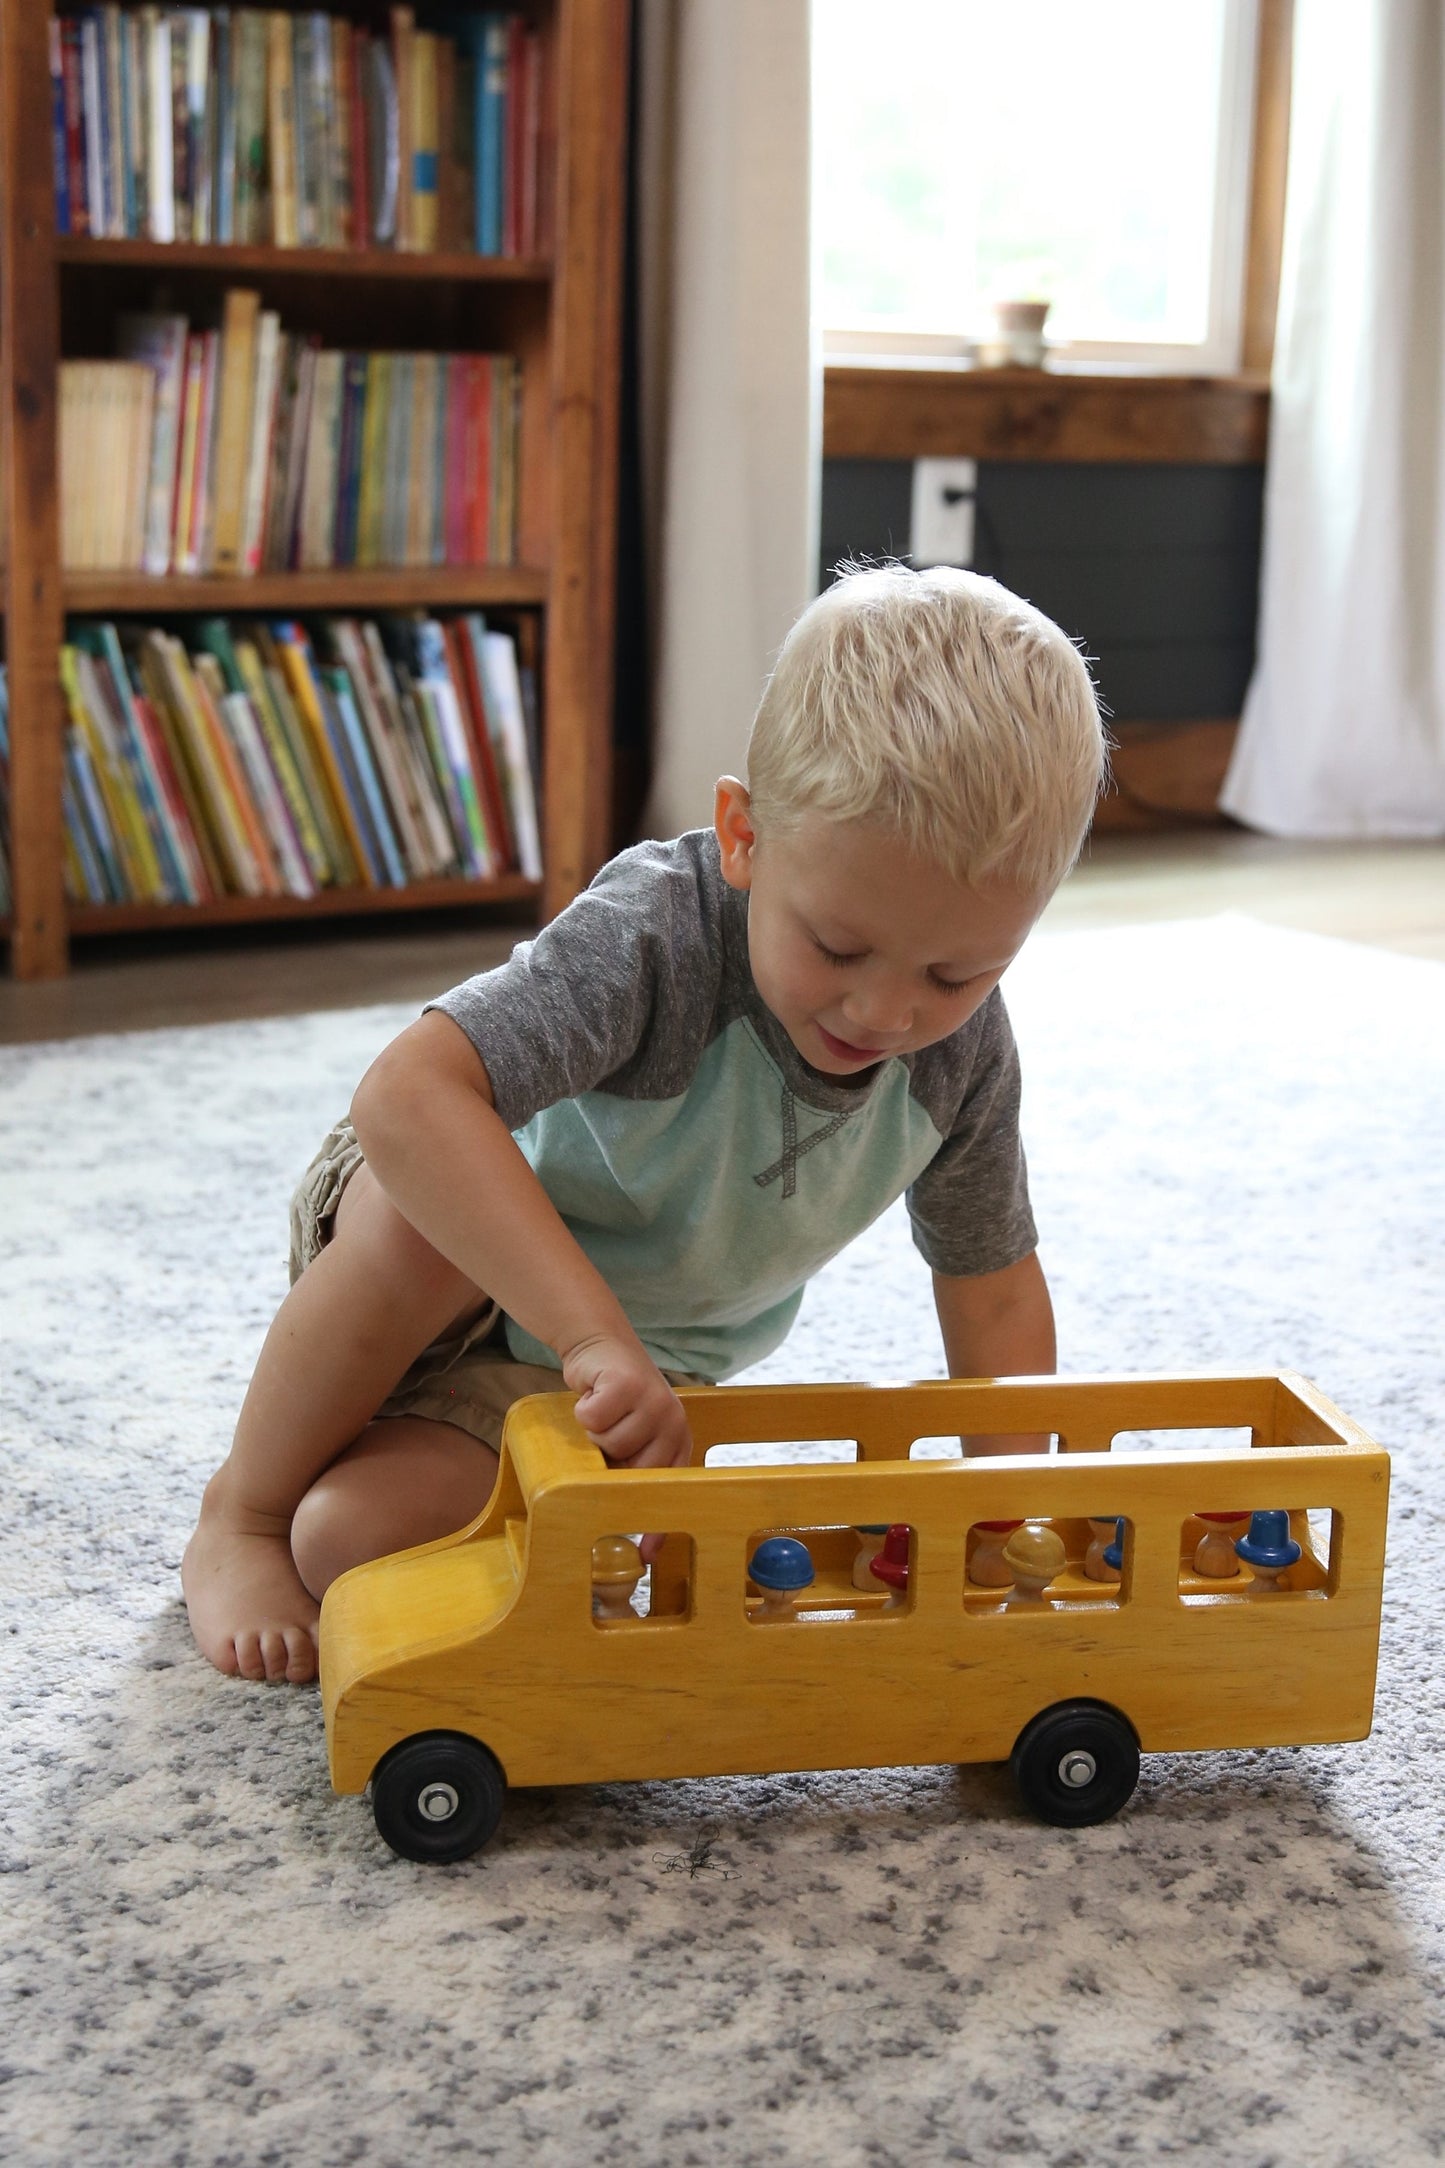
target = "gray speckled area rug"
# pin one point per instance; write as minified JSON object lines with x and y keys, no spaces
{"x":1236,"y":1142}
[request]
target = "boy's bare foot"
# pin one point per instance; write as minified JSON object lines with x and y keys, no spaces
{"x":249,"y":1612}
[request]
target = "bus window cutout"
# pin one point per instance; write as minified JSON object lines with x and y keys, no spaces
{"x":952,"y":1448}
{"x":462,"y":1667}
{"x":1218,"y":1438}
{"x":782,"y":1453}
{"x":1021,"y":1566}
{"x":832,"y":1574}
{"x":628,"y":1593}
{"x":1232,"y":1556}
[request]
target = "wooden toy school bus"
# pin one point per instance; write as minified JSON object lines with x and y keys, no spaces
{"x":1061,"y":1610}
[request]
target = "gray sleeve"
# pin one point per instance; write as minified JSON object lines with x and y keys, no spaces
{"x":970,"y":1206}
{"x":619,"y":988}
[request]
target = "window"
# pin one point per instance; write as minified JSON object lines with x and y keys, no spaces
{"x":1030,"y":1567}
{"x":1097,"y":157}
{"x":626,"y":1593}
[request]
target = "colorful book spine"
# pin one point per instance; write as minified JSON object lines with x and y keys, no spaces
{"x":337,"y":684}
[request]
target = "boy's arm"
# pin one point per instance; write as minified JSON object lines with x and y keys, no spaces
{"x":424,"y":1118}
{"x":998,"y":1325}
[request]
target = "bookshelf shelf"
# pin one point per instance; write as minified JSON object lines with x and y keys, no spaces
{"x":462,"y":587}
{"x":164,"y":257}
{"x":95,"y":918}
{"x":557,"y":311}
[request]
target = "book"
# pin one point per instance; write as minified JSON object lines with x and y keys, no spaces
{"x":191,"y":405}
{"x":336,"y":683}
{"x":152,"y":699}
{"x":373,"y":480}
{"x":138,"y":871}
{"x":420,"y":643}
{"x":113,"y":117}
{"x":236,"y":388}
{"x":343,"y":155}
{"x":425,"y":143}
{"x":403,"y":35}
{"x":96,"y":845}
{"x":464,"y":643}
{"x":490,"y":133}
{"x":196,"y":116}
{"x":503,"y":687}
{"x":396,"y":458}
{"x":196,"y":677}
{"x":410,"y":740}
{"x":318,"y":490}
{"x":227,"y":135}
{"x":236,"y":840}
{"x":349,"y":654}
{"x":281,"y":131}
{"x":383,"y":140}
{"x":252,"y":38}
{"x":213,"y":637}
{"x":358,"y":86}
{"x":196,"y":554}
{"x":322,"y":835}
{"x":108,"y":682}
{"x":238,"y":721}
{"x":348,"y":456}
{"x":160,"y":342}
{"x":281,"y":547}
{"x":95,"y":160}
{"x":298,"y":666}
{"x":262,"y":434}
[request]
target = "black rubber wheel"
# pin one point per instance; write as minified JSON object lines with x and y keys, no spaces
{"x":1077,"y":1763}
{"x":438,"y":1797}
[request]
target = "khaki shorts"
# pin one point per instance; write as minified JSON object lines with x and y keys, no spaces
{"x":470,"y":1379}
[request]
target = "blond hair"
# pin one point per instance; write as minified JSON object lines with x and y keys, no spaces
{"x":942,"y":706}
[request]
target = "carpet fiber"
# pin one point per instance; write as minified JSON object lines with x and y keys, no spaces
{"x":1235,"y":1139}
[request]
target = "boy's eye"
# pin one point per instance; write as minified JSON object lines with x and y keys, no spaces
{"x":834,"y":956}
{"x":949,"y":986}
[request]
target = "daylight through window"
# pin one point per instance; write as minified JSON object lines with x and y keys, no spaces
{"x":1096,"y":157}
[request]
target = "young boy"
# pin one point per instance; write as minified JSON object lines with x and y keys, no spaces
{"x":622,"y":1154}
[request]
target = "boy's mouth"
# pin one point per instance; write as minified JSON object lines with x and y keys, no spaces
{"x":842,"y":1050}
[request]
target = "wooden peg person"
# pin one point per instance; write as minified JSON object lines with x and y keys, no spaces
{"x":1101,"y":1534}
{"x":616,"y":1571}
{"x":986,"y":1568}
{"x":1034,"y":1556}
{"x":1214,"y":1556}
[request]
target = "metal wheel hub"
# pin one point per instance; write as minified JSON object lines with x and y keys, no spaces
{"x":438,"y":1802}
{"x":1077,"y":1769}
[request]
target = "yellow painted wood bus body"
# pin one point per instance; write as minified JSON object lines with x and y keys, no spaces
{"x":491,"y":1632}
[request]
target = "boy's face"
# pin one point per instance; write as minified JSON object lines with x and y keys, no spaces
{"x":860,"y":948}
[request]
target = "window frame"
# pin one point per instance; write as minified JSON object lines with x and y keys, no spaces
{"x":1247,"y":231}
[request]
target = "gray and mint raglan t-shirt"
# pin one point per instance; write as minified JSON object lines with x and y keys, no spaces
{"x":706,"y":1169}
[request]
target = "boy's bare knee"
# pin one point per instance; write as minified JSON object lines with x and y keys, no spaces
{"x":324,"y":1536}
{"x":406,"y":1480}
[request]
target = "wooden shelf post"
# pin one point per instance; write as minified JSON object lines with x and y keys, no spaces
{"x":29,"y":355}
{"x":592,"y":72}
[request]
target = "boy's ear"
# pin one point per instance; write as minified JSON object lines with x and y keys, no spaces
{"x":737,"y":838}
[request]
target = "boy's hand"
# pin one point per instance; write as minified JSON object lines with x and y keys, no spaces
{"x":626,"y":1405}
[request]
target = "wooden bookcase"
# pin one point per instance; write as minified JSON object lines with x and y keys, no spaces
{"x":560,"y":315}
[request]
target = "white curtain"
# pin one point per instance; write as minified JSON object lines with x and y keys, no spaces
{"x":1343,"y":732}
{"x":730,"y":386}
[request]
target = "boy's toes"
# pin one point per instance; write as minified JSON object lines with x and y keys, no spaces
{"x":300,"y":1655}
{"x":276,"y":1651}
{"x":250,"y":1660}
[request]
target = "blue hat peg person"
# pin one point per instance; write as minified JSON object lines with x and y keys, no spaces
{"x":779,"y":1567}
{"x":1267,"y":1548}
{"x":1114,"y":1552}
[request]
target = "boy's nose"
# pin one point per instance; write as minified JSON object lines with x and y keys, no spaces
{"x":877,"y":1013}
